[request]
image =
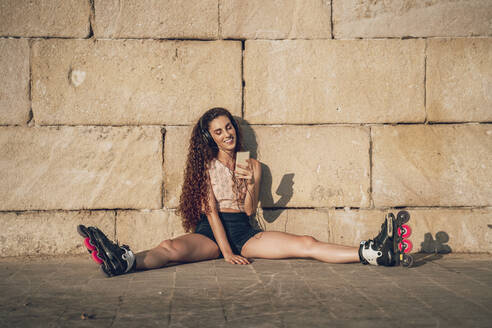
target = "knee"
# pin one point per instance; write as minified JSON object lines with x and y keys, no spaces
{"x":168,"y":247}
{"x":308,"y":242}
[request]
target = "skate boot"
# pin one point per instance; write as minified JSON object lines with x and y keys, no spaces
{"x":113,"y":258}
{"x":380,"y":250}
{"x":390,"y":247}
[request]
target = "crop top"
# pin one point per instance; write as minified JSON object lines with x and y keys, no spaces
{"x":228,"y":193}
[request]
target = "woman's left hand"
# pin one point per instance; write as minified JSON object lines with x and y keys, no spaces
{"x":246,"y":172}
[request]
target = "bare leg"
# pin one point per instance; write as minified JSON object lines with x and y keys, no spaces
{"x":279,"y":245}
{"x":187,"y":248}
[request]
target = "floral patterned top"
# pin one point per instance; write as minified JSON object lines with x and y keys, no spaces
{"x":228,"y":191}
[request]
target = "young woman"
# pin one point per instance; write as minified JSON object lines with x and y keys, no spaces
{"x":215,"y":205}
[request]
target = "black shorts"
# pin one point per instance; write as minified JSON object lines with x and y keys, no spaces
{"x":237,"y":227}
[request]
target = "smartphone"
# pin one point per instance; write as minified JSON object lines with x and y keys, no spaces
{"x":241,"y":158}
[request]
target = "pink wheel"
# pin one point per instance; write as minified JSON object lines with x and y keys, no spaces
{"x":96,"y":258}
{"x":405,"y":231}
{"x":408,"y":246}
{"x":87,"y":243}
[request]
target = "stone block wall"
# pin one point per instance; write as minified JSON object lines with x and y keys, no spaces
{"x":354,"y":107}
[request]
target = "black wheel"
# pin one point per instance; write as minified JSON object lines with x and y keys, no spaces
{"x":403,"y":217}
{"x":407,"y":261}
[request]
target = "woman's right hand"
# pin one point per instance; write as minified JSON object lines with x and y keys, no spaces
{"x":236,"y":259}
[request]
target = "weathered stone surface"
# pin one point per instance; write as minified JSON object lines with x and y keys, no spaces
{"x":49,"y":233}
{"x":156,"y":19}
{"x":80,"y":167}
{"x":324,"y":81}
{"x":271,"y":19}
{"x":26,"y":18}
{"x":142,"y":230}
{"x":452,"y":291}
{"x":334,"y":172}
{"x":432,"y":165}
{"x":315,"y":166}
{"x":14,"y":84}
{"x":400,"y":18}
{"x":133,"y":81}
{"x":466,"y":229}
{"x":309,"y":222}
{"x":459,"y":79}
{"x":271,"y":220}
{"x":176,"y":146}
{"x":350,"y":227}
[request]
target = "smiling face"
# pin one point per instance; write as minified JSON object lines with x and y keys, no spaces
{"x":223,"y":133}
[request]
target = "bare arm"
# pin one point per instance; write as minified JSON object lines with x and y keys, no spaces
{"x":252,"y":174}
{"x":219,"y":232}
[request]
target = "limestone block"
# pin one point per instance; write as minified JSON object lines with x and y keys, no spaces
{"x":270,"y":220}
{"x":49,"y":233}
{"x":317,"y":166}
{"x":400,"y":18}
{"x":142,"y":230}
{"x":301,"y":165}
{"x":156,"y":19}
{"x":459,"y":80}
{"x":325,"y":81}
{"x":273,"y":19}
{"x":310,"y":222}
{"x":133,"y":81}
{"x":350,"y":227}
{"x":80,"y":167}
{"x":53,"y":18}
{"x":176,"y":149}
{"x":14,"y":84}
{"x":432,"y":165}
{"x":466,"y":229}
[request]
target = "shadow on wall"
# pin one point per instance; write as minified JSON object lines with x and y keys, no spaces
{"x":432,"y":250}
{"x":285,"y":188}
{"x":429,"y":245}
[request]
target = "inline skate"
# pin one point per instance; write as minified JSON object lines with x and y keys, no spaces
{"x":113,"y":258}
{"x":391,"y":246}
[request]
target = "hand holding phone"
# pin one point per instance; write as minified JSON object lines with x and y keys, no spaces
{"x":242,"y":159}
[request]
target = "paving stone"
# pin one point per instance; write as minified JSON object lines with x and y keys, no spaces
{"x":47,"y":18}
{"x":156,"y":19}
{"x":350,"y":295}
{"x":258,"y":319}
{"x":432,"y":165}
{"x":459,"y":80}
{"x":72,"y":168}
{"x":14,"y":85}
{"x":133,"y":82}
{"x":400,"y":18}
{"x":211,"y":318}
{"x":271,"y":19}
{"x":320,"y":81}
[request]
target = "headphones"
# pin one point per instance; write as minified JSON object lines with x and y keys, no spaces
{"x":207,"y":138}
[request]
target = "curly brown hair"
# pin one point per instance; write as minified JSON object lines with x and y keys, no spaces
{"x":201,"y":151}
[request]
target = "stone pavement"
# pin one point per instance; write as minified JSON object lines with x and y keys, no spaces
{"x":453,"y":290}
